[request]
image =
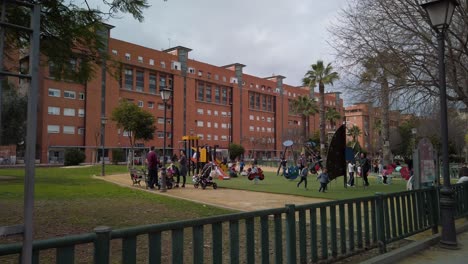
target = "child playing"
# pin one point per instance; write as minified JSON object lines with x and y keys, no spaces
{"x":304,"y":173}
{"x":323,"y":178}
{"x":385,"y":174}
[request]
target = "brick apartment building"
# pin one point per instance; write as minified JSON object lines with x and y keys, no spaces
{"x":367,"y":117}
{"x":219,"y":104}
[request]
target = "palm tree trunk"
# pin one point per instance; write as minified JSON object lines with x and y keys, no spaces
{"x":385,"y":121}
{"x":304,"y":120}
{"x":322,"y":119}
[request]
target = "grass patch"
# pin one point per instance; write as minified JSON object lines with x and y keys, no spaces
{"x":70,"y":201}
{"x":336,"y":190}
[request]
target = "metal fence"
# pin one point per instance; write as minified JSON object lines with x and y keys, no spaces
{"x":293,"y":234}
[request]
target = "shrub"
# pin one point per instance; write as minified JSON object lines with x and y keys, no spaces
{"x":74,"y":156}
{"x":118,"y":155}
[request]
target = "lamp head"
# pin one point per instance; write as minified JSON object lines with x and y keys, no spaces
{"x":440,"y":13}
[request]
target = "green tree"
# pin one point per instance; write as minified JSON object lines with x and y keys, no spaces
{"x":354,"y":132}
{"x":321,"y":75}
{"x":332,"y":116}
{"x":305,"y":107}
{"x":138,"y":123}
{"x":72,"y":35}
{"x":235,"y":151}
{"x":14,"y":112}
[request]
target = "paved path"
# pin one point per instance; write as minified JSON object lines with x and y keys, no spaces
{"x":226,"y":198}
{"x":436,"y":254}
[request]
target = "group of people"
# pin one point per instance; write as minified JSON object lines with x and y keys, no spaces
{"x":362,"y":168}
{"x":311,"y":164}
{"x":153,"y":164}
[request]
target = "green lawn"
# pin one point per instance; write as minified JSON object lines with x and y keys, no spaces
{"x":336,"y":190}
{"x":70,"y":201}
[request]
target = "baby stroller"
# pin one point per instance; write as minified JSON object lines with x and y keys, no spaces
{"x":170,"y":172}
{"x":205,"y":178}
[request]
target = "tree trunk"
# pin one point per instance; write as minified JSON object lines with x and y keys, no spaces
{"x":304,"y":120}
{"x":385,"y":121}
{"x":322,"y":119}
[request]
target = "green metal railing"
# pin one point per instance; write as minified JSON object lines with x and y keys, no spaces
{"x":292,"y":234}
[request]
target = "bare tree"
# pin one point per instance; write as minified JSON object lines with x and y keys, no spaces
{"x":401,"y":29}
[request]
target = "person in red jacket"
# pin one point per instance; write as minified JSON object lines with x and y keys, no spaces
{"x":152,"y":162}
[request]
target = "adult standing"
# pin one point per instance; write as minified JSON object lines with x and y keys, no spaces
{"x":351,"y":173}
{"x":365,"y":167}
{"x":182,"y":169}
{"x":152,"y":162}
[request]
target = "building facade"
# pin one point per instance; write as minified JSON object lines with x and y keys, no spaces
{"x":369,"y":120}
{"x":221,"y":105}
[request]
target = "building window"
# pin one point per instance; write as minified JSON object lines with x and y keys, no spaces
{"x":140,"y":59}
{"x":264,"y":108}
{"x":224,"y":78}
{"x":216,"y":113}
{"x":140,"y":81}
{"x":215,"y":125}
{"x":191,"y":70}
{"x":140,"y":103}
{"x":163,"y":64}
{"x":200,"y":136}
{"x":81,"y":131}
{"x":54,"y":92}
{"x":162,"y":82}
{"x":53,"y":129}
{"x":208,"y":112}
{"x":216,"y":77}
{"x":151,"y":62}
{"x":81,"y":112}
{"x":200,"y":73}
{"x":161,"y":107}
{"x":201,"y":91}
{"x":224,"y":96}
{"x":129,"y":79}
{"x":215,"y":137}
{"x":251,"y":128}
{"x":208,"y":94}
{"x":251,"y":117}
{"x":217,"y":94}
{"x":68,"y":129}
{"x":160,"y":120}
{"x":200,"y":111}
{"x":151,"y":105}
{"x":223,"y":125}
{"x":127,"y":56}
{"x":69,"y":94}
{"x":252,"y":100}
{"x":199,"y":123}
{"x":208,"y":124}
{"x":69,"y":112}
{"x":160,"y":134}
{"x":224,"y":138}
{"x":208,"y":137}
{"x":208,"y":75}
{"x":53,"y":110}
{"x":114,"y":52}
{"x":82,"y":96}
{"x":223,"y":114}
{"x":152,"y":83}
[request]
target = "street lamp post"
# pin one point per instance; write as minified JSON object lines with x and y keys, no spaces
{"x":103,"y":125}
{"x":165,"y":95}
{"x":440,"y":14}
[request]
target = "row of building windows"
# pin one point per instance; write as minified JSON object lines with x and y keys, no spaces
{"x":134,"y":79}
{"x":54,"y":92}
{"x":215,"y":125}
{"x":213,"y":93}
{"x":262,"y":129}
{"x":259,"y":101}
{"x":53,"y":110}
{"x":200,"y":111}
{"x":54,"y":129}
{"x":268,"y":119}
{"x":214,"y":137}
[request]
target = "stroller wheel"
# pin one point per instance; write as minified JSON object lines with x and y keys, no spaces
{"x":215,"y":186}
{"x":203,"y":185}
{"x":195,"y":185}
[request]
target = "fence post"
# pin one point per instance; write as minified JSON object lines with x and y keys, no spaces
{"x":291,"y":234}
{"x":102,"y":244}
{"x":435,"y":209}
{"x":380,"y":221}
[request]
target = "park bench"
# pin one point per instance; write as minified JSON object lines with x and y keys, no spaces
{"x":138,"y":175}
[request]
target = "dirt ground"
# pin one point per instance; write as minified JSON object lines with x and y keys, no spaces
{"x":226,"y":198}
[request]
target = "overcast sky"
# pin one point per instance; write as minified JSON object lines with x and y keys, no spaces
{"x":269,"y":36}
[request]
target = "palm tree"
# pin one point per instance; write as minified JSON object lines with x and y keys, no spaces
{"x":305,"y":107}
{"x":354,"y":132}
{"x":321,"y":75}
{"x":379,"y":69}
{"x":332,"y":115}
